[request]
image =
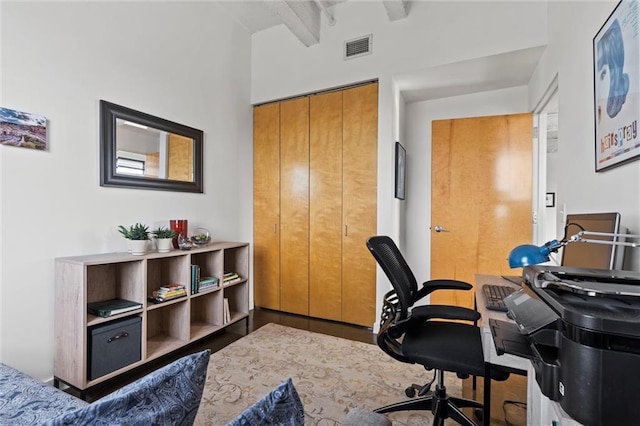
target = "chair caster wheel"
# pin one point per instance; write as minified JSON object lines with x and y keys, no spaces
{"x":410,"y":392}
{"x":478,"y":413}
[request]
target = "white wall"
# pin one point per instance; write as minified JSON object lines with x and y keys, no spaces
{"x":569,"y":56}
{"x":418,"y":123}
{"x":435,"y":33}
{"x":183,"y":61}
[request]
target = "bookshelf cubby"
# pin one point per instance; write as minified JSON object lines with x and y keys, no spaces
{"x":165,"y":326}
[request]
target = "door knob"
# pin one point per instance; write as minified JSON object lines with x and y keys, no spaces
{"x":439,"y":228}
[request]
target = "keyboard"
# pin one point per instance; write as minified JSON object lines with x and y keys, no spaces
{"x":493,"y":295}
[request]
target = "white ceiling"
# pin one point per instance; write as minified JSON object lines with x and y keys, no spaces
{"x":303,"y":17}
{"x":494,"y":72}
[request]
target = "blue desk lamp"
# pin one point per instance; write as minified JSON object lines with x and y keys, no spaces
{"x":529,"y":254}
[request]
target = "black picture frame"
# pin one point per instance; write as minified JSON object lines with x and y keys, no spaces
{"x":109,"y":113}
{"x":401,"y":172}
{"x":550,"y":199}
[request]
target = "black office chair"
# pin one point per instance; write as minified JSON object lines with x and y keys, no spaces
{"x":408,"y":334}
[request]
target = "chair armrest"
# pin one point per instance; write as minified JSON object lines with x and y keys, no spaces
{"x":433,"y":285}
{"x":421,"y":313}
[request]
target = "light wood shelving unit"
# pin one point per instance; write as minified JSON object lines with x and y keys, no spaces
{"x":166,"y":326}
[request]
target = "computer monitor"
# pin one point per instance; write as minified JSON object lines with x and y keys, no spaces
{"x":593,"y":255}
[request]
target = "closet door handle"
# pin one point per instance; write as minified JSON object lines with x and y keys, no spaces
{"x":346,"y":231}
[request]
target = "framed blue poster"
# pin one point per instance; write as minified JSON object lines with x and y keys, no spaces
{"x":616,"y":49}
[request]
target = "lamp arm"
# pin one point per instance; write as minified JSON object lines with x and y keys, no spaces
{"x":579,"y":239}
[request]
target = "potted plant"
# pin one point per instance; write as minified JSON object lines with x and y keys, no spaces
{"x":164,"y":238}
{"x":138,"y":235}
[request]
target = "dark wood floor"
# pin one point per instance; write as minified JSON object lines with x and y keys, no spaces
{"x":513,"y":389}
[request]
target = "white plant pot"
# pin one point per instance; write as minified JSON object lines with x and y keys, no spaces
{"x":164,"y":245}
{"x":138,"y":247}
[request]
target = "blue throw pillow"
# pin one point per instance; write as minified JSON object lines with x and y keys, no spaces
{"x":168,"y":396}
{"x":281,"y":407}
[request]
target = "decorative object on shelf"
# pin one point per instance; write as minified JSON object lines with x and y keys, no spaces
{"x":201,"y":237}
{"x":164,"y":238}
{"x":180,"y":227}
{"x":184,"y":243}
{"x":138,"y":236}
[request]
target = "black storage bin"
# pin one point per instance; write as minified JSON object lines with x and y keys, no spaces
{"x":113,"y":345}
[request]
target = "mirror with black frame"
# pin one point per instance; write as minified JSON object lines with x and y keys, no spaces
{"x":139,"y":150}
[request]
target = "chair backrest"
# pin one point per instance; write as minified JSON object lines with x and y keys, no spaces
{"x":390,"y":259}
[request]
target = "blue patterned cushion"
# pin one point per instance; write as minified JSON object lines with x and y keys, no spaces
{"x":281,"y":407}
{"x":25,"y":401}
{"x":168,"y":396}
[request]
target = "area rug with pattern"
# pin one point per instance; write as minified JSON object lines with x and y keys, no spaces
{"x":331,"y":374}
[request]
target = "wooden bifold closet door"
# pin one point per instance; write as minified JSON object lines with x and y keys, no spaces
{"x":310,"y":255}
{"x":294,"y":206}
{"x":266,"y":205}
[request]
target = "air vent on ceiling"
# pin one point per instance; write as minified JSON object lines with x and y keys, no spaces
{"x":357,"y":47}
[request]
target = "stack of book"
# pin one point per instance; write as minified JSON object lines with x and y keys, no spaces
{"x":107,"y":308}
{"x":195,"y":278}
{"x":207,"y":283}
{"x":199,"y":284}
{"x":231,"y":278}
{"x":169,"y":292}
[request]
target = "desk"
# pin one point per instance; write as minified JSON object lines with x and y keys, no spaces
{"x":540,"y":409}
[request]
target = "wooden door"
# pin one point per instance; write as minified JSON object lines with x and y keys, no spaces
{"x":294,"y":206}
{"x":266,"y":206}
{"x":481,"y":194}
{"x":359,"y":185}
{"x":325,"y":208}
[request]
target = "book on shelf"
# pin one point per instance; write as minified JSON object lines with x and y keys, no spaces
{"x":208,"y":283}
{"x":231,"y":278}
{"x":195,"y":278}
{"x":168,"y":292}
{"x":225,"y":310}
{"x":107,"y":308}
{"x":166,"y":298}
{"x":172,"y":287}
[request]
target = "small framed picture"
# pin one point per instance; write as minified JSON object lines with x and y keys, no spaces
{"x":401,"y":171}
{"x":23,"y":129}
{"x":551,"y":199}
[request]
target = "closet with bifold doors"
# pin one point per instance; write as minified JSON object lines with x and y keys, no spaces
{"x":315,"y":203}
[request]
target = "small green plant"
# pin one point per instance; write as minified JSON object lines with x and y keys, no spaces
{"x":163,"y":232}
{"x":125,"y":232}
{"x":135,"y":232}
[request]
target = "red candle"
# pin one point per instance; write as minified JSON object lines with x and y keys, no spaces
{"x":179,"y":226}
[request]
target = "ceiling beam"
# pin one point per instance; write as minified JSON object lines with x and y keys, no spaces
{"x":301,"y":17}
{"x":396,"y":9}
